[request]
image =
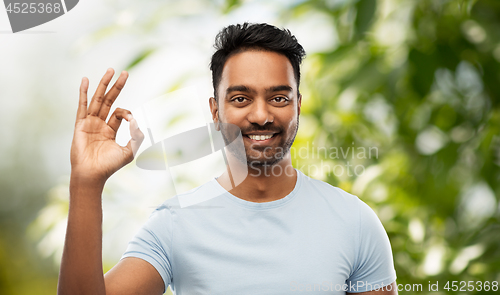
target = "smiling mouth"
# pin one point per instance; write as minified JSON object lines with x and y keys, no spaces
{"x":260,"y":138}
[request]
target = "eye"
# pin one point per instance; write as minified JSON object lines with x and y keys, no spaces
{"x":239,"y":99}
{"x":280,"y":99}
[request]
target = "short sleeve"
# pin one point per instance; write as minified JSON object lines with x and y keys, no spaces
{"x":374,"y":265}
{"x":153,"y":243}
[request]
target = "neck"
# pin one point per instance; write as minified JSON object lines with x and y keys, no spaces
{"x":258,"y":183}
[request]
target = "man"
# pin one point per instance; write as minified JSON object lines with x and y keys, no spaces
{"x":277,"y":232}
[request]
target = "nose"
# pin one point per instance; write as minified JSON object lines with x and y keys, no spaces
{"x":260,"y":113}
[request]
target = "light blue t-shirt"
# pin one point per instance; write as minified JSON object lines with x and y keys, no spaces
{"x":317,"y":239}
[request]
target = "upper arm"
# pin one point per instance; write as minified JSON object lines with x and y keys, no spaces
{"x":133,"y":276}
{"x":373,"y":265}
{"x":391,"y":289}
{"x":145,"y":266}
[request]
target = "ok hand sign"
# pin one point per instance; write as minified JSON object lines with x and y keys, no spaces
{"x":95,"y":155}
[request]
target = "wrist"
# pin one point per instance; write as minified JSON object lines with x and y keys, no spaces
{"x":86,"y":179}
{"x":87,"y":172}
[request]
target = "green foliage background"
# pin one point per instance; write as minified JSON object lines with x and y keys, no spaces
{"x":441,"y":78}
{"x":417,"y":80}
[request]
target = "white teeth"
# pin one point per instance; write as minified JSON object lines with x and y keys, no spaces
{"x":260,"y":137}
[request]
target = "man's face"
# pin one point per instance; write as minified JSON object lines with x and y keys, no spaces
{"x":258,"y":93}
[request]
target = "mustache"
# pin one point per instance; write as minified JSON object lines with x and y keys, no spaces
{"x":258,"y":128}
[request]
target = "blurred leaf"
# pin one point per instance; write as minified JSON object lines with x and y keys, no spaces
{"x":139,"y":58}
{"x":231,"y":5}
{"x":364,"y":17}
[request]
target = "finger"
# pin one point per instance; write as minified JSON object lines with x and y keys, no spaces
{"x":112,"y":94}
{"x":81,"y":113}
{"x":136,"y":134}
{"x":98,"y":97}
{"x":116,"y":118}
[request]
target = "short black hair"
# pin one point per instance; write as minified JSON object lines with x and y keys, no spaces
{"x":248,"y":36}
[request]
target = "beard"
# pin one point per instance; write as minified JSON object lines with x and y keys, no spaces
{"x":258,"y":156}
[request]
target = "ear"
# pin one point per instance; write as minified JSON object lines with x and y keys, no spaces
{"x":214,"y":109}
{"x":299,"y":103}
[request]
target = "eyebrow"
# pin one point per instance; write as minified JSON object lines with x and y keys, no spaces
{"x":243,"y":88}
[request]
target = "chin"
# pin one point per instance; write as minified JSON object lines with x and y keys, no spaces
{"x":259,"y":163}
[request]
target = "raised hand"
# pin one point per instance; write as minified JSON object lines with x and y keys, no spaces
{"x":94,"y":152}
{"x":95,"y":155}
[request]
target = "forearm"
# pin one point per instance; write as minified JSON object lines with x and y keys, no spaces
{"x":81,"y":266}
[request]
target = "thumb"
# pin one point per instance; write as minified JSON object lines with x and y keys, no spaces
{"x":136,"y":134}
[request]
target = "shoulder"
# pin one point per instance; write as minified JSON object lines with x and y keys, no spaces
{"x":330,"y":193}
{"x":336,"y":203}
{"x":203,"y":195}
